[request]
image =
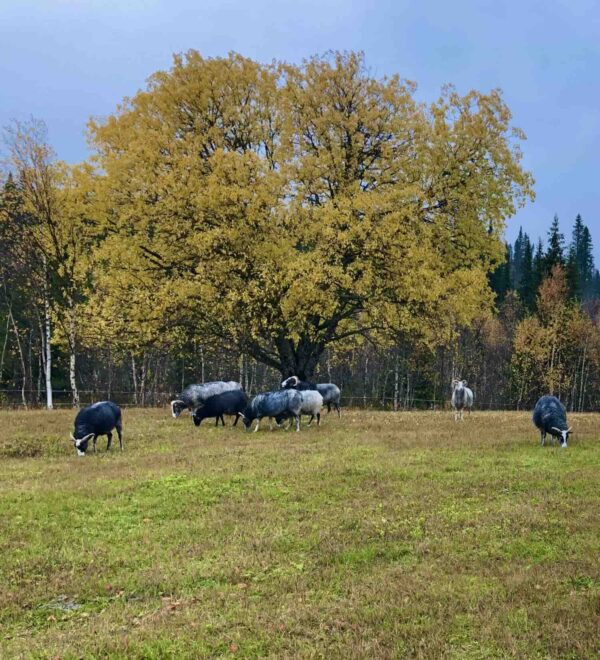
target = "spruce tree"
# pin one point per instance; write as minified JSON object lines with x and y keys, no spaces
{"x":538,"y":265}
{"x":500,"y":278}
{"x":586,"y":262}
{"x":517,"y":260}
{"x":556,"y":248}
{"x":527,"y":289}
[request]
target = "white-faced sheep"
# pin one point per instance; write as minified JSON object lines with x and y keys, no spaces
{"x":462,"y":398}
{"x":550,"y":416}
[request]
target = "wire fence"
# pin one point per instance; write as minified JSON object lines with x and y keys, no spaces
{"x":63,"y":398}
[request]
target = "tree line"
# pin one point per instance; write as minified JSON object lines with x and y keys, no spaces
{"x":251,"y":221}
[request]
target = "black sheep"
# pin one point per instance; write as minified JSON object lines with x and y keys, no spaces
{"x":550,"y":416}
{"x":226,"y":403}
{"x":98,"y":419}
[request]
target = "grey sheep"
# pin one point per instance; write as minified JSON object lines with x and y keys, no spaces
{"x":195,"y":395}
{"x":282,"y":404}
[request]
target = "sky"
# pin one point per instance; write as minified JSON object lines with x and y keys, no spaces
{"x":65,"y":61}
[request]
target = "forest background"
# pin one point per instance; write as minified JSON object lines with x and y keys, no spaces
{"x":243,"y":221}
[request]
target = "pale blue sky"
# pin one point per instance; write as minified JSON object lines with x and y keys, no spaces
{"x":65,"y":60}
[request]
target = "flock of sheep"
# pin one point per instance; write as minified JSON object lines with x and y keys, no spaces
{"x":295,"y":398}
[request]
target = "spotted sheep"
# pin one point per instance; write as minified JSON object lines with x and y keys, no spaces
{"x":462,"y":398}
{"x":195,"y":395}
{"x":550,"y":416}
{"x":281,"y":404}
{"x":329,"y":391}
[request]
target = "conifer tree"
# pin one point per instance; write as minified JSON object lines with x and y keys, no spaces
{"x":527,"y":289}
{"x":517,"y":260}
{"x":556,"y":247}
{"x":500,"y":278}
{"x":538,"y":265}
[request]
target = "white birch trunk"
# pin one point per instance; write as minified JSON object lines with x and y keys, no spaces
{"x":73,"y":358}
{"x":48,"y":351}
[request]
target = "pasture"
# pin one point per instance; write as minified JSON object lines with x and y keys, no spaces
{"x":377,"y":535}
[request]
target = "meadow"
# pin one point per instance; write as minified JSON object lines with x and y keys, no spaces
{"x":377,"y":535}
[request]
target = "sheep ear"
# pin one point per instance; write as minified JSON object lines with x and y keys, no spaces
{"x":570,"y":429}
{"x":72,"y":437}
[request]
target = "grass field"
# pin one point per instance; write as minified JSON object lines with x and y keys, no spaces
{"x":377,"y":535}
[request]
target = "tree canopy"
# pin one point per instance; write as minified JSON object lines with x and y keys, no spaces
{"x":284,"y":208}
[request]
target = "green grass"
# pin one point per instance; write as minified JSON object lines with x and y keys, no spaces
{"x":377,"y":535}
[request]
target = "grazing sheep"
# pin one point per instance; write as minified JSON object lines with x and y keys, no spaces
{"x":462,"y":398}
{"x":226,"y":403}
{"x":329,"y":391}
{"x":195,"y":395}
{"x":282,"y":404}
{"x":98,"y":419}
{"x":312,"y":402}
{"x":550,"y":416}
{"x":331,"y":396}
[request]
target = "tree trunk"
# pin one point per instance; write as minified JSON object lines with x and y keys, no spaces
{"x":4,"y":347}
{"x":396,"y":381}
{"x":22,"y":359}
{"x":48,"y":349}
{"x":73,"y":357}
{"x":134,"y":378}
{"x":300,"y":359}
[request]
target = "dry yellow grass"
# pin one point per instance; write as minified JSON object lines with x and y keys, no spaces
{"x":380,"y":534}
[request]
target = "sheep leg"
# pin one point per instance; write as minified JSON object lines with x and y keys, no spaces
{"x":237,"y":416}
{"x":542,"y":438}
{"x":257,"y":424}
{"x":95,"y":438}
{"x":328,"y":408}
{"x":310,"y":420}
{"x":297,"y":423}
{"x":339,"y":412}
{"x":109,"y":436}
{"x":318,"y":419}
{"x":120,"y":434}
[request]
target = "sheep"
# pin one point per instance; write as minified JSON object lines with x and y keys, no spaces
{"x":550,"y":416}
{"x":462,"y":397}
{"x":281,"y":404}
{"x":232,"y":402}
{"x":195,"y":395}
{"x":329,"y":391}
{"x":331,"y":396}
{"x":98,"y":419}
{"x":312,"y":402}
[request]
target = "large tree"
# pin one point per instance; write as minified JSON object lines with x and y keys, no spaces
{"x":285,"y":208}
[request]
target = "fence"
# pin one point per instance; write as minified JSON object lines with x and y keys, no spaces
{"x":12,"y":398}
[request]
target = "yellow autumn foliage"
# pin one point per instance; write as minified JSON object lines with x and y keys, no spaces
{"x":284,"y":208}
